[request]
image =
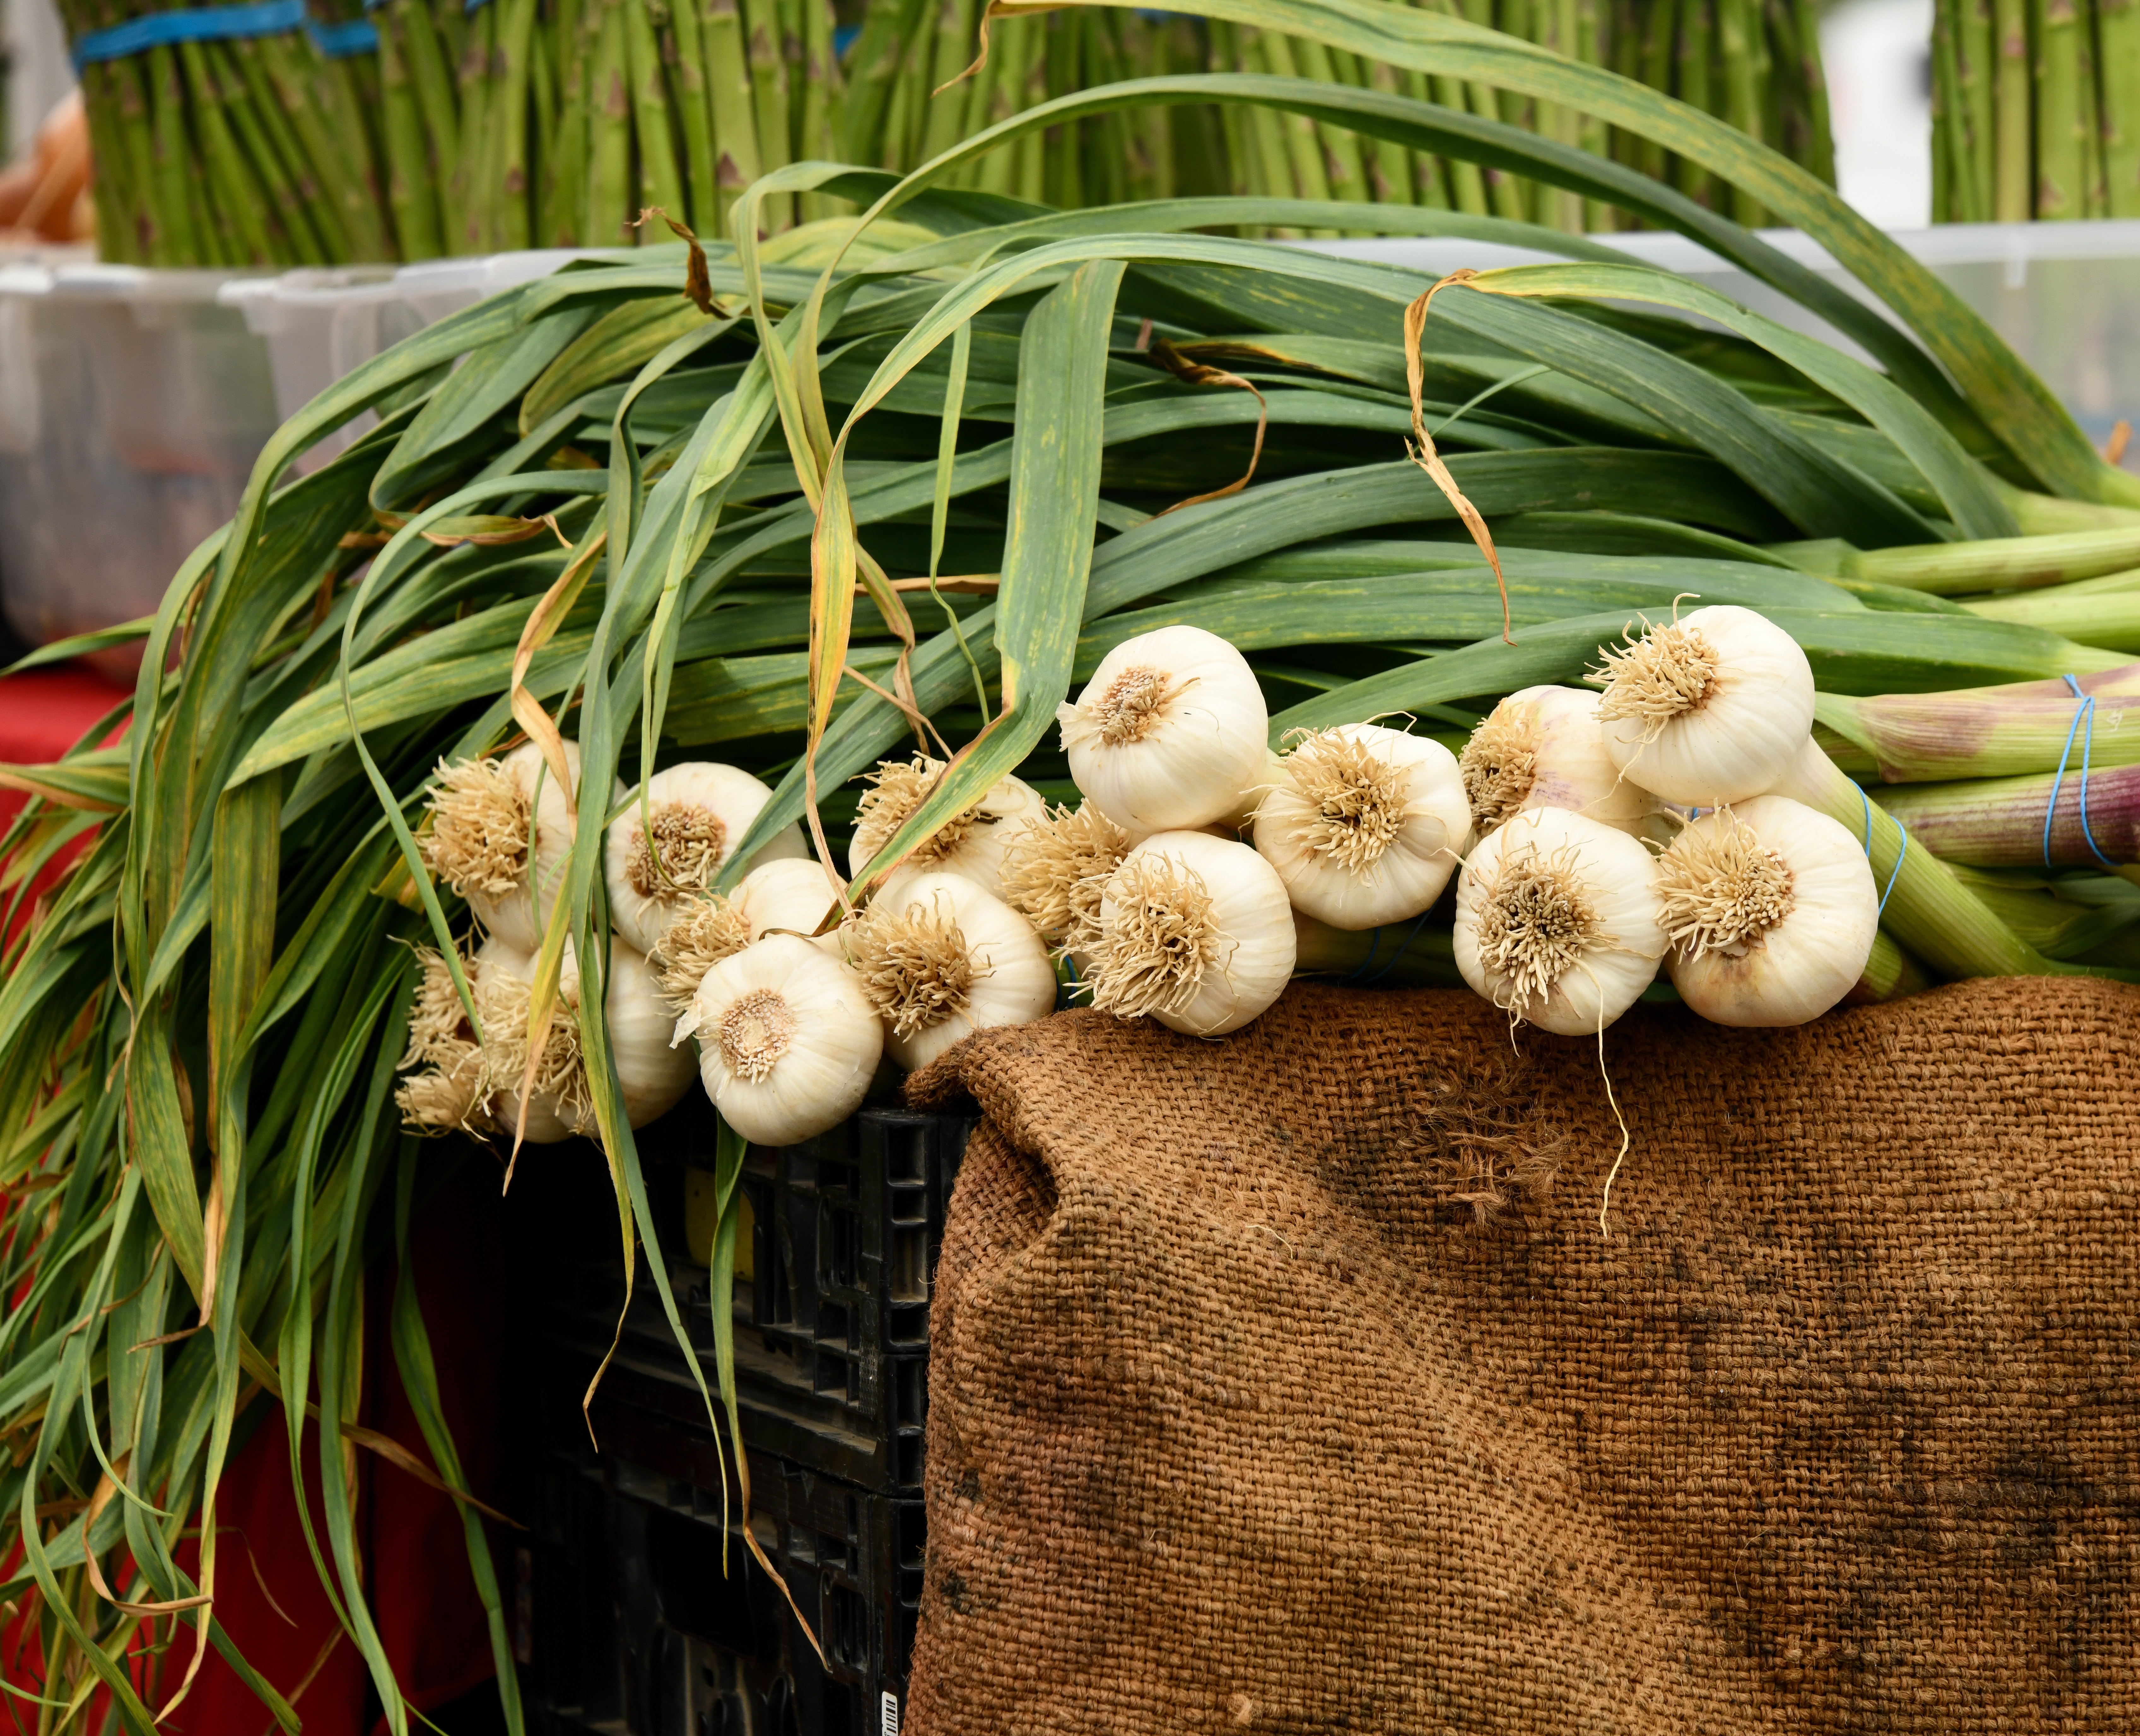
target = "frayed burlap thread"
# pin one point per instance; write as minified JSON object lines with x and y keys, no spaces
{"x":1241,"y":1418}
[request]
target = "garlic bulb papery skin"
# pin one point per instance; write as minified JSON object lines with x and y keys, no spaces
{"x":697,"y":812}
{"x":788,"y":894}
{"x":791,"y":896}
{"x":1710,"y":709}
{"x":940,"y":958}
{"x":1557,"y":920}
{"x":651,"y":1075}
{"x":788,"y":1041}
{"x":1054,"y":871}
{"x":1771,"y":912}
{"x":971,"y":843}
{"x":1195,"y":932}
{"x":1365,"y":825}
{"x":1543,"y":746}
{"x":482,"y":813}
{"x":1170,"y":734}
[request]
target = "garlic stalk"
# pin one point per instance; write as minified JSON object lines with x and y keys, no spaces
{"x":444,"y":1087}
{"x":971,"y":843}
{"x":1170,"y":732}
{"x":487,"y":815}
{"x":1054,"y":870}
{"x":1365,"y":825}
{"x":1543,"y":746}
{"x":940,"y":958}
{"x":663,"y":852}
{"x":1770,"y":910}
{"x":788,"y":1041}
{"x":789,"y":895}
{"x":1557,"y":921}
{"x":1709,"y":709}
{"x":1195,"y":932}
{"x":651,"y":1076}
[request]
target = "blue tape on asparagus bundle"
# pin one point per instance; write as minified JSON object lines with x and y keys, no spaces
{"x":345,"y":41}
{"x":222,"y":24}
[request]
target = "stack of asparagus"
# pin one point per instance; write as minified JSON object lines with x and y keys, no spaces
{"x":2035,"y":109}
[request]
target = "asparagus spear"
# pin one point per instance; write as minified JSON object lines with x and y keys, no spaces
{"x":2118,"y":22}
{"x":734,"y":124}
{"x":2061,"y":162}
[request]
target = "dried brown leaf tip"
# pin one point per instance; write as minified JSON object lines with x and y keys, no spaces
{"x":698,"y":278}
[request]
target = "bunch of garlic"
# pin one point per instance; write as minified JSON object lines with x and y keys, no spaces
{"x":1364,"y":825}
{"x":1559,"y":921}
{"x":788,"y":896}
{"x":1771,"y":912}
{"x":971,"y":843}
{"x":674,"y":837}
{"x":940,"y":959}
{"x":500,"y":835}
{"x":1709,"y":709}
{"x":1194,"y":931}
{"x":1170,"y":733}
{"x":788,"y":1040}
{"x":1545,"y":747}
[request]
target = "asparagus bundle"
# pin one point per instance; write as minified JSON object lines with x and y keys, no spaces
{"x":2035,"y":109}
{"x":817,"y":502}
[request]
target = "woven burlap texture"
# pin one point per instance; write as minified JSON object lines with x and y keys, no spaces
{"x":1240,"y":1419}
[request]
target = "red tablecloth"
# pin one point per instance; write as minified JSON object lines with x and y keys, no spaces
{"x":422,"y":1595}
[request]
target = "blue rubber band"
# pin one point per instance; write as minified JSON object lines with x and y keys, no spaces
{"x":345,"y":41}
{"x":843,"y":39}
{"x":2085,"y":712}
{"x":1400,"y":950}
{"x":1866,"y":802}
{"x":202,"y":24}
{"x":1374,"y":946}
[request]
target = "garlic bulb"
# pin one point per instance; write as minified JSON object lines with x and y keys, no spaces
{"x":695,"y":813}
{"x":941,"y":958}
{"x":788,"y":1041}
{"x":1543,"y":746}
{"x":484,"y":814}
{"x":971,"y":843}
{"x":1557,"y":921}
{"x":789,"y":895}
{"x":1170,"y":732}
{"x":1054,"y":870}
{"x":1710,"y":709}
{"x":1771,"y":911}
{"x":1365,"y":825}
{"x":653,"y":1077}
{"x":444,"y":1087}
{"x":1195,"y":932}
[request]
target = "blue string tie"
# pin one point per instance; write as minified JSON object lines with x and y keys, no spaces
{"x":2085,"y":712}
{"x":222,"y":24}
{"x":1867,"y":802}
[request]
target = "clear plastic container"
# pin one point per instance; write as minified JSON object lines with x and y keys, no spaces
{"x":132,"y":404}
{"x":2065,"y":295}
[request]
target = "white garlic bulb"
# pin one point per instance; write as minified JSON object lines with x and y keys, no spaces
{"x":941,"y":958}
{"x":651,"y":1076}
{"x":789,"y":895}
{"x":1054,"y":870}
{"x":1365,"y":825}
{"x":1169,"y":733}
{"x":788,"y":1041}
{"x":971,"y":843}
{"x":1543,"y":746}
{"x":484,"y":813}
{"x":1710,"y":709}
{"x":696,"y":812}
{"x":1557,"y":920}
{"x":1195,"y":932}
{"x":1771,"y":911}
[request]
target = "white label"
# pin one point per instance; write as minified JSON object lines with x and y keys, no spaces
{"x":888,"y":1715}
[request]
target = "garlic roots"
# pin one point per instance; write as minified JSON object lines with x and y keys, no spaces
{"x":1710,"y":709}
{"x":444,"y":1088}
{"x":1543,"y":746}
{"x":1055,"y":869}
{"x":487,"y":817}
{"x":662,"y":854}
{"x":1170,"y":732}
{"x":971,"y":843}
{"x":789,"y":895}
{"x":1557,"y":921}
{"x":1195,"y":932}
{"x":940,"y":958}
{"x":1771,"y":912}
{"x":1365,"y":825}
{"x":788,"y":1041}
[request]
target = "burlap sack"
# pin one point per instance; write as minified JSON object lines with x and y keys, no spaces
{"x":1241,"y":1419}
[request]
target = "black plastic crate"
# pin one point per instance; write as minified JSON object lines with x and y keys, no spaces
{"x":831,"y":1297}
{"x":626,"y":1624}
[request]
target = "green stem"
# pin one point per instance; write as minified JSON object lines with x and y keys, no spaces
{"x":409,"y":188}
{"x":660,"y":178}
{"x":609,"y":133}
{"x":696,"y":116}
{"x":466,"y":216}
{"x":2118,"y":25}
{"x":2014,"y":193}
{"x":729,"y":105}
{"x":768,"y":84}
{"x":507,"y":183}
